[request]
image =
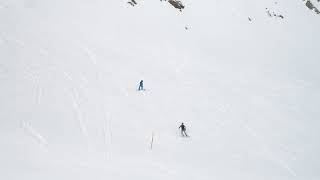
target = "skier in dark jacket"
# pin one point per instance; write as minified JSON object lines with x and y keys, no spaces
{"x":141,"y":85}
{"x":183,"y":130}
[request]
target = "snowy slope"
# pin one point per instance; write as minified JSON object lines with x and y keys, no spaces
{"x":248,"y":91}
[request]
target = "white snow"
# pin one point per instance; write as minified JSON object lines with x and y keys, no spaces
{"x":248,"y":91}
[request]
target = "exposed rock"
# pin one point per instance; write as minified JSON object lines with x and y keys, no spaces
{"x":177,"y":4}
{"x":132,"y":2}
{"x":273,"y":14}
{"x":312,"y":7}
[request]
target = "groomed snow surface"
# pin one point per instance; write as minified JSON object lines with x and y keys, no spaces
{"x":248,"y":91}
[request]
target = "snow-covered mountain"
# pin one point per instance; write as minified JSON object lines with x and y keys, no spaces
{"x":241,"y":74}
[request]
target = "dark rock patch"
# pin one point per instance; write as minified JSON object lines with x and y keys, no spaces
{"x":132,"y":2}
{"x":273,"y":14}
{"x":177,"y":4}
{"x":312,"y":7}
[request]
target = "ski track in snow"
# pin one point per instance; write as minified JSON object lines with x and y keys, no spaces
{"x":288,"y":151}
{"x":93,"y":57}
{"x":36,"y":81}
{"x":33,"y":133}
{"x":76,"y":105}
{"x":107,"y":114}
{"x":90,"y":54}
{"x":267,"y":150}
{"x":80,"y":118}
{"x":75,"y":97}
{"x":107,"y":135}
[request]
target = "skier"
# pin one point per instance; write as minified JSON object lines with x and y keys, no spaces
{"x":140,"y":85}
{"x":183,"y":130}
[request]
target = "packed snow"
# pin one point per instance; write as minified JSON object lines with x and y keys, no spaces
{"x":245,"y":82}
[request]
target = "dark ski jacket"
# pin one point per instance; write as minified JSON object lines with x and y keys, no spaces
{"x":183,"y":127}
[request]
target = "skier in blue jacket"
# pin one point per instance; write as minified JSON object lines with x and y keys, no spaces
{"x":140,"y":85}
